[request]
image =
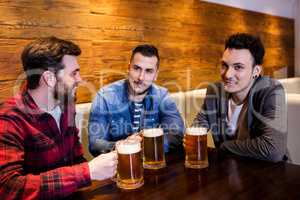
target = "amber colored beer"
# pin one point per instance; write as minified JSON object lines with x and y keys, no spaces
{"x":154,"y":155}
{"x":129,"y":170}
{"x":196,"y":148}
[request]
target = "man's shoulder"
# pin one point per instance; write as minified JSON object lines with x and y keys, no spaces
{"x":268,"y":80}
{"x":11,"y":105}
{"x":13,"y":110}
{"x":159,"y":90}
{"x":215,"y":88}
{"x":113,"y":89}
{"x":264,"y":84}
{"x":114,"y":86}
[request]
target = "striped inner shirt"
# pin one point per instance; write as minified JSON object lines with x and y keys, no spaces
{"x":137,"y":112}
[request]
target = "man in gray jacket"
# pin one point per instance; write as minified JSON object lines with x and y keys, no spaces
{"x":246,"y":112}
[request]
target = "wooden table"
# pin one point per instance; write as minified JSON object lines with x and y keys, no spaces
{"x":228,"y":177}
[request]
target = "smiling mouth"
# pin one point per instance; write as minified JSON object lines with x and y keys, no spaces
{"x":229,"y":83}
{"x":138,"y":84}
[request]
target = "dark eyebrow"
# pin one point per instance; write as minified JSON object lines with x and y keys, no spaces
{"x":234,"y":64}
{"x":137,"y":66}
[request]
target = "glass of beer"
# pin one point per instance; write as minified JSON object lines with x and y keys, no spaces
{"x":153,"y":154}
{"x":196,"y":148}
{"x":129,"y":169}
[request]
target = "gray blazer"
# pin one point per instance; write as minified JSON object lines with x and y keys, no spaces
{"x":266,"y":120}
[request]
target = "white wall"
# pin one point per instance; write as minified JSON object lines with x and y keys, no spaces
{"x":283,"y":8}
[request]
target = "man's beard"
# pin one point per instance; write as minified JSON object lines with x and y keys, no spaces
{"x":139,"y":93}
{"x":65,"y":96}
{"x":143,"y":92}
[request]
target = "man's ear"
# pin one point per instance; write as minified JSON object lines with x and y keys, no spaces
{"x":256,"y":71}
{"x":49,"y":78}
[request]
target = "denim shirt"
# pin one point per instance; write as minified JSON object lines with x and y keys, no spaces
{"x":111,"y":117}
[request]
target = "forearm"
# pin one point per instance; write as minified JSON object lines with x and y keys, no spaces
{"x":174,"y":141}
{"x":201,"y":120}
{"x":174,"y":130}
{"x":97,"y":143}
{"x":264,"y":148}
{"x":100,"y":146}
{"x":56,"y":183}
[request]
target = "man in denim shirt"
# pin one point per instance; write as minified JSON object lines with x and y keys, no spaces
{"x":125,"y":107}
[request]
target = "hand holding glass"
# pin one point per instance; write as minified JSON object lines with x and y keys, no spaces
{"x":129,"y":170}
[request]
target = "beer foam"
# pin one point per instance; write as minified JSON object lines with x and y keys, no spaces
{"x":128,"y":147}
{"x":196,"y":131}
{"x":153,"y":132}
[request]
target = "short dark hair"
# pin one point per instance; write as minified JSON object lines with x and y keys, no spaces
{"x":147,"y":50}
{"x":247,"y":41}
{"x":45,"y":54}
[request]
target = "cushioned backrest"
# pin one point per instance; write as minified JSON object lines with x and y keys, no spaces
{"x":193,"y":102}
{"x":82,"y":119}
{"x":291,"y":85}
{"x":293,"y":137}
{"x":179,"y":98}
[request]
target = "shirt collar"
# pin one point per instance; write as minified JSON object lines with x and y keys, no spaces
{"x":126,"y":92}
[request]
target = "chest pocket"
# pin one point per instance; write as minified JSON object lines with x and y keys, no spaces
{"x":151,"y":120}
{"x":39,"y":142}
{"x":38,"y":147}
{"x":119,"y":127}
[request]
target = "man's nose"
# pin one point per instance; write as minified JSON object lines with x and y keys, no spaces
{"x":78,"y":78}
{"x":229,"y":72}
{"x":142,"y":76}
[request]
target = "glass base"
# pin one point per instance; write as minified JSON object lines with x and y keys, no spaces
{"x":130,"y":186}
{"x":196,"y":165}
{"x":154,"y":166}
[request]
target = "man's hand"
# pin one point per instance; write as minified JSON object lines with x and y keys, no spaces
{"x":103,"y":166}
{"x":136,"y":136}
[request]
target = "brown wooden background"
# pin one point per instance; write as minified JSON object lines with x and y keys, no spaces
{"x":189,"y":34}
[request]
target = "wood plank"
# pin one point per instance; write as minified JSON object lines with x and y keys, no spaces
{"x":9,"y":88}
{"x":193,"y":12}
{"x":189,"y":35}
{"x":10,"y":57}
{"x":57,"y":5}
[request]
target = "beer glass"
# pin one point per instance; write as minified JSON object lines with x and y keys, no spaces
{"x":129,"y":169}
{"x":196,"y":148}
{"x":153,"y":142}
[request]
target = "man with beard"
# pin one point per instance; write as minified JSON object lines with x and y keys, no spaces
{"x":40,"y":153}
{"x":246,"y":112}
{"x":126,"y":107}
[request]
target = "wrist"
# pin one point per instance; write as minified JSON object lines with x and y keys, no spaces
{"x":90,"y":166}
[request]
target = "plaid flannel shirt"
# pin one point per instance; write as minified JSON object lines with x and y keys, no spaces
{"x":37,"y":159}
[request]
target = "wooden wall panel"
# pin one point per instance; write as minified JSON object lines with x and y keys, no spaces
{"x":189,"y":34}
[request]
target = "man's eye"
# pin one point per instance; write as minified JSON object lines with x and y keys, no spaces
{"x":150,"y":71}
{"x":238,"y":67}
{"x":75,"y":73}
